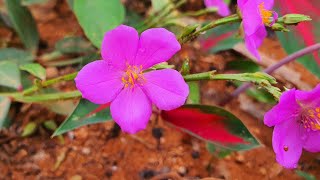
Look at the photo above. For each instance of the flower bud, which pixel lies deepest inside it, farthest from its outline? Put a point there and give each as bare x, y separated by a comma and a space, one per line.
279, 27
291, 19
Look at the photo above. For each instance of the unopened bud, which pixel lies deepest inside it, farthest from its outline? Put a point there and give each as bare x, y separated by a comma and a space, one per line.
291, 19
279, 27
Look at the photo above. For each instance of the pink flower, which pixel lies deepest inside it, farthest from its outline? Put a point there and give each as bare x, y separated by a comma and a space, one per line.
223, 9
297, 125
120, 78
255, 15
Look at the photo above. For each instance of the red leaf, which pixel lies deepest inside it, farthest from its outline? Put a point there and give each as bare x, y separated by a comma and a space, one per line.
306, 29
207, 126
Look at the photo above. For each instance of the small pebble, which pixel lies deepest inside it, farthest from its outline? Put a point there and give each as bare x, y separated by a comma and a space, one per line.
182, 170
147, 174
157, 133
195, 154
86, 151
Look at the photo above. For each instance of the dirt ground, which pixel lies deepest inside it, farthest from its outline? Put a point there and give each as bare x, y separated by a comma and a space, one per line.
101, 151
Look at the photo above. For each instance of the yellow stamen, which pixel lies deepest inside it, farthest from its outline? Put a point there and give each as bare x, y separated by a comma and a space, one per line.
265, 14
132, 75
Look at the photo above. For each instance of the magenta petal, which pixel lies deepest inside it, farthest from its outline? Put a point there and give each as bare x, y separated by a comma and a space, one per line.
223, 9
284, 110
251, 17
99, 82
287, 143
166, 88
155, 46
131, 110
254, 41
268, 4
120, 45
309, 97
312, 144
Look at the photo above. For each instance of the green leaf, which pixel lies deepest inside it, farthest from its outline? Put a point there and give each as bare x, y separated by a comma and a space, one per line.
96, 17
74, 45
291, 44
212, 124
225, 44
16, 55
218, 151
194, 95
32, 2
133, 19
35, 69
4, 109
50, 124
23, 24
29, 129
243, 66
305, 175
9, 75
158, 5
84, 114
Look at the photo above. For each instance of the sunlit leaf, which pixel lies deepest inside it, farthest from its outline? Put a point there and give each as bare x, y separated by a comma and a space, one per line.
16, 55
212, 124
9, 74
23, 24
74, 45
4, 109
35, 69
96, 17
84, 114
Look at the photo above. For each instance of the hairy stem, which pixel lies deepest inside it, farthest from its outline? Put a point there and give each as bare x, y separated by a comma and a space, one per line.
43, 84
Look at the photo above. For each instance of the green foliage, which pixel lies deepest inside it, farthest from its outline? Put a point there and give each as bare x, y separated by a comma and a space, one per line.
291, 44
77, 45
35, 69
9, 74
29, 129
225, 44
15, 55
305, 175
23, 24
194, 93
96, 17
32, 2
218, 151
4, 109
243, 66
84, 114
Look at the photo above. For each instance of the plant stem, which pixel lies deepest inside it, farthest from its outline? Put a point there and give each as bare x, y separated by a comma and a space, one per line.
48, 97
274, 67
193, 34
43, 84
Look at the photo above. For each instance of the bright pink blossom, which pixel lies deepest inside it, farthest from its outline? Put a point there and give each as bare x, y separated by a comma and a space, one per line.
223, 9
120, 78
296, 121
255, 15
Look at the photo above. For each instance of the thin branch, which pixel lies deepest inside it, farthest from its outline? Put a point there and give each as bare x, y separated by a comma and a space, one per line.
274, 67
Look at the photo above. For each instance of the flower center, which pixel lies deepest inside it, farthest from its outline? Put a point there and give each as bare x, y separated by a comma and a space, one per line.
132, 75
266, 15
311, 119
